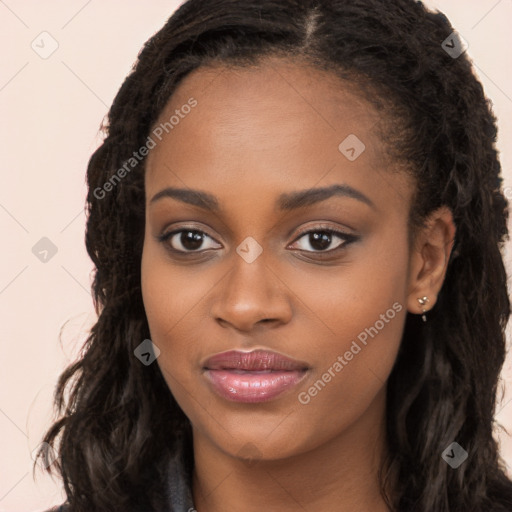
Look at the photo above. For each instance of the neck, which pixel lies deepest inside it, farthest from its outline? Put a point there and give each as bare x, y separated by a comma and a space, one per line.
340, 474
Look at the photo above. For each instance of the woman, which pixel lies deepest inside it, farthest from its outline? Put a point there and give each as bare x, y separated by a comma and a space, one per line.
296, 219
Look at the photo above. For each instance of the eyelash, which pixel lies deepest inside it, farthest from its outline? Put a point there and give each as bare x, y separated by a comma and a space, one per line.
347, 239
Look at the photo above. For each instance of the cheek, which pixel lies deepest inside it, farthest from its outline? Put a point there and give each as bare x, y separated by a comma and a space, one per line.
172, 293
168, 297
175, 302
345, 300
363, 314
349, 385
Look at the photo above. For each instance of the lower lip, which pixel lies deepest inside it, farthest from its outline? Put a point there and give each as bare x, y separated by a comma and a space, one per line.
252, 386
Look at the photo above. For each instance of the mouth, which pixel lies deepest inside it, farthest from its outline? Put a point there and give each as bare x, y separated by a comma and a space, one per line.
251, 377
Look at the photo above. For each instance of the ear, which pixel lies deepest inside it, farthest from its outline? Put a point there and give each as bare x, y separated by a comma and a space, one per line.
429, 259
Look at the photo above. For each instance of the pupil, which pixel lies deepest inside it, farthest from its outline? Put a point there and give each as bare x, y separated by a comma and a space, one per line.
191, 239
320, 240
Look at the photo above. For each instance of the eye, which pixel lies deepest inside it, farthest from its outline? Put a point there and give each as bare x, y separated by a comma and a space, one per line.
187, 240
322, 240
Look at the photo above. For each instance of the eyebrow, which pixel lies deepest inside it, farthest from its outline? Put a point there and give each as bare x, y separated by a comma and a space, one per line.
311, 196
189, 196
286, 201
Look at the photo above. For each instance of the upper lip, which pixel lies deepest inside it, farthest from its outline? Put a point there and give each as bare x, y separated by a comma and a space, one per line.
253, 361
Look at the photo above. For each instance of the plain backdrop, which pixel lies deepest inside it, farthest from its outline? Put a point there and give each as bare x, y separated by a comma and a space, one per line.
51, 107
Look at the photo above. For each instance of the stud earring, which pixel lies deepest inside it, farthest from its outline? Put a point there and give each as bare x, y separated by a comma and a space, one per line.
423, 301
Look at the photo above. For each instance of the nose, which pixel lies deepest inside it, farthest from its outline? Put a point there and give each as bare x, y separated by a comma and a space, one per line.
251, 294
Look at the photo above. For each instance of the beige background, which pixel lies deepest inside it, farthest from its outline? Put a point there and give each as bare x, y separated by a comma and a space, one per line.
51, 110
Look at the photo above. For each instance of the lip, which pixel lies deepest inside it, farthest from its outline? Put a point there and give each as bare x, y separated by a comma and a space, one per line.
251, 377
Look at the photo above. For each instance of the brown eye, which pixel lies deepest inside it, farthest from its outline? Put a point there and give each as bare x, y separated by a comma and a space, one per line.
324, 240
187, 240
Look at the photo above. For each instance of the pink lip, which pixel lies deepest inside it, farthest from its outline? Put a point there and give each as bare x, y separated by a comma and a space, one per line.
250, 377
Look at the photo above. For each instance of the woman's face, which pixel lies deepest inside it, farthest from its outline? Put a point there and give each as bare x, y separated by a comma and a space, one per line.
254, 170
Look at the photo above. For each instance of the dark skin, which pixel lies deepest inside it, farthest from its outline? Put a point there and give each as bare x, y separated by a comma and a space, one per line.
256, 134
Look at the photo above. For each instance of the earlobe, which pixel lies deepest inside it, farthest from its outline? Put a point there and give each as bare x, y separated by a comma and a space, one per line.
429, 261
423, 302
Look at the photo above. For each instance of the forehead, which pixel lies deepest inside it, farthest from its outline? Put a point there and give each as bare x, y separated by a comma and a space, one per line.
275, 125
271, 95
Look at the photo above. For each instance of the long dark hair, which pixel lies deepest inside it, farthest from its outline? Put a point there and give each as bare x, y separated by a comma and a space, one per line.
119, 423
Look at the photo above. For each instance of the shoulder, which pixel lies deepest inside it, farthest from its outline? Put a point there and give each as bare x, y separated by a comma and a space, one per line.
59, 508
